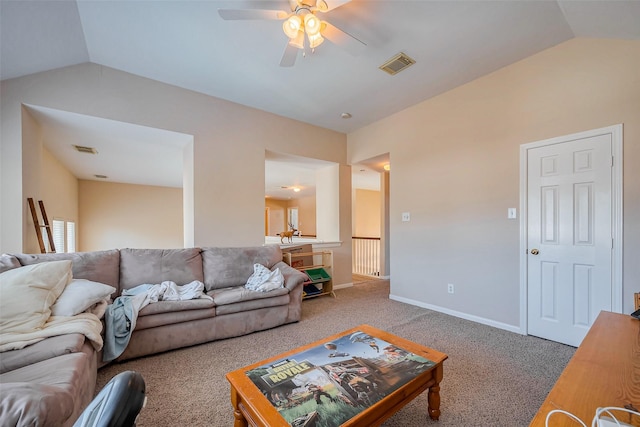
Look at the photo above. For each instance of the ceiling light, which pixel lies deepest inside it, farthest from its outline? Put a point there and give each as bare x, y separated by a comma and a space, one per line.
298, 40
345, 115
291, 26
296, 27
315, 40
296, 189
387, 167
311, 24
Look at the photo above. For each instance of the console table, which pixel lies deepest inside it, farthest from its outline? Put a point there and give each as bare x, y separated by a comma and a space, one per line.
604, 371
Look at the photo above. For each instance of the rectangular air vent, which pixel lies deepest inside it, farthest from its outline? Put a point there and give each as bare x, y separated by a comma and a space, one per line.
88, 150
397, 63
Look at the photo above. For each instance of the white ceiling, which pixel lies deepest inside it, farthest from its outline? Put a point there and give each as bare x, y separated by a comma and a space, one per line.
186, 43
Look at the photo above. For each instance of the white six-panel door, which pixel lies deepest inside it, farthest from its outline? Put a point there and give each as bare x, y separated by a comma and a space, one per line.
569, 237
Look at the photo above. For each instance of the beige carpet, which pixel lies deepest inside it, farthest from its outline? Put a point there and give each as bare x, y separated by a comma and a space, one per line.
492, 377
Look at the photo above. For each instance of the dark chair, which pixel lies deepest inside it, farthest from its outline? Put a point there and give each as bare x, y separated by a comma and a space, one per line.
118, 403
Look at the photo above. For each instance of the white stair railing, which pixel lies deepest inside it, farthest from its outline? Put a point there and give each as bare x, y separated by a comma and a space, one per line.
366, 256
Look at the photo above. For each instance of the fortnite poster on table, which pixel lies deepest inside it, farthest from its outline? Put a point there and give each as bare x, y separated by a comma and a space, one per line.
331, 383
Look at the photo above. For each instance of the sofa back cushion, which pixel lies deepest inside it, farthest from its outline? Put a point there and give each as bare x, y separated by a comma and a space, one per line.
98, 266
8, 262
226, 267
154, 266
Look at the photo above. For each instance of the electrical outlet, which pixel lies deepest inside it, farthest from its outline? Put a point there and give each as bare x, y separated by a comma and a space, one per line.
406, 216
450, 288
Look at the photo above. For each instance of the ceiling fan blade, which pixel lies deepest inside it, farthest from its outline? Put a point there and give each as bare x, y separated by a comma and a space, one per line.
327, 5
241, 14
349, 43
289, 56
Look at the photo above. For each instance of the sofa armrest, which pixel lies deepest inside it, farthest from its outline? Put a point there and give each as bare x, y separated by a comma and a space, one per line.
292, 277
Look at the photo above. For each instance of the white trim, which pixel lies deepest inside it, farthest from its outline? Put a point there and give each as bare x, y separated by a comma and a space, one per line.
466, 316
616, 132
343, 285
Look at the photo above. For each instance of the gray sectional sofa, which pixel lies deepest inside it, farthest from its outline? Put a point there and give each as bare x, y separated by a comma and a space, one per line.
52, 381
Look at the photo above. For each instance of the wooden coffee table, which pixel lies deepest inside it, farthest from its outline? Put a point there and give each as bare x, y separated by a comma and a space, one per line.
364, 375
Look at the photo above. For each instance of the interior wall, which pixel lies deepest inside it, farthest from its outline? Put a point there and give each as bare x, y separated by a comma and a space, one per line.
116, 216
366, 213
31, 174
277, 215
228, 155
306, 214
59, 190
463, 149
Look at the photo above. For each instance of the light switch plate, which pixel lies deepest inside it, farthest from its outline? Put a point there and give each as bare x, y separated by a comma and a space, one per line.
511, 213
406, 216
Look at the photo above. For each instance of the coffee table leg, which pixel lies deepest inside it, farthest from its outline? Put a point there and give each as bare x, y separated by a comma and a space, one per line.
434, 402
434, 395
240, 421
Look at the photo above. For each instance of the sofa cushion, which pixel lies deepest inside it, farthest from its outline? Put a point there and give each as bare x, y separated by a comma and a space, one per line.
8, 262
53, 390
240, 293
99, 266
28, 293
246, 306
42, 350
173, 317
33, 404
154, 266
173, 306
226, 267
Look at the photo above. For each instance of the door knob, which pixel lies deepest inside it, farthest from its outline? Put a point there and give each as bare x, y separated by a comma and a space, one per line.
534, 252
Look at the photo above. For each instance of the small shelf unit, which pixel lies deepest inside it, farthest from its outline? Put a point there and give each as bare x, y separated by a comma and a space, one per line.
318, 269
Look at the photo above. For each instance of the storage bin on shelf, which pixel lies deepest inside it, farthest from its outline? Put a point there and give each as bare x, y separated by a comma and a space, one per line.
317, 266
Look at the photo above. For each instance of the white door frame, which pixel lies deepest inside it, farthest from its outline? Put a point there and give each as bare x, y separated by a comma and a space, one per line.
616, 215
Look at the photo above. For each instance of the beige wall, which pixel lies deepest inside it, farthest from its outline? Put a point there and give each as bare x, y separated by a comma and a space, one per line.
277, 215
306, 214
119, 216
59, 190
455, 167
228, 155
366, 213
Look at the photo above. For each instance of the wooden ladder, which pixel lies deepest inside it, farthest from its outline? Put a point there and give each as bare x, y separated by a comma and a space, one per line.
38, 226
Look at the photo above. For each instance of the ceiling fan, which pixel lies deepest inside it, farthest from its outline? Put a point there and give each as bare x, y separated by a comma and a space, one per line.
302, 25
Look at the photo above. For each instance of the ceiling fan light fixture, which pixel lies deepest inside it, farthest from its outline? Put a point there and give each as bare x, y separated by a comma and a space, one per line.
315, 40
311, 24
292, 26
298, 40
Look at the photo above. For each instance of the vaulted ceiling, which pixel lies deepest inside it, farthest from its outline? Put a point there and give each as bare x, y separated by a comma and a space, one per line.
187, 44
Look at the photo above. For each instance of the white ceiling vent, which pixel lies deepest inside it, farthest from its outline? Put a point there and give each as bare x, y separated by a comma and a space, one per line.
397, 63
88, 150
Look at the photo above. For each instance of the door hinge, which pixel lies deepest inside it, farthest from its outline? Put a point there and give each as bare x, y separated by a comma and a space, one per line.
611, 161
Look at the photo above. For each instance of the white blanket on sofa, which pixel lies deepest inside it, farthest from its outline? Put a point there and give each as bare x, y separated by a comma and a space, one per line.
85, 323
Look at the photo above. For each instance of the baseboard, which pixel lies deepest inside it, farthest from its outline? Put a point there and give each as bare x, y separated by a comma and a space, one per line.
343, 285
459, 314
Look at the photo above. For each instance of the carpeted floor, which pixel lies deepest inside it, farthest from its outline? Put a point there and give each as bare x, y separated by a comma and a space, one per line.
492, 377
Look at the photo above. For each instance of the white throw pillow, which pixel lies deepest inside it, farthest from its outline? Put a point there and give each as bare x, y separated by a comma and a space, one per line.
79, 295
27, 293
264, 280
